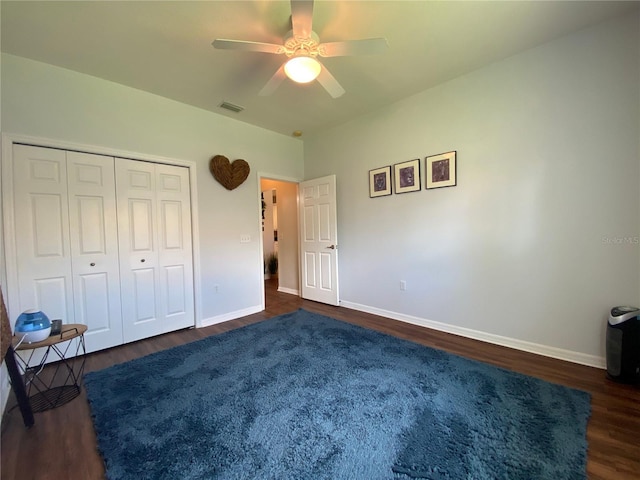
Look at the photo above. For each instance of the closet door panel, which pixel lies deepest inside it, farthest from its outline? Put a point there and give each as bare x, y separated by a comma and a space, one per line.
176, 303
144, 295
137, 225
140, 213
94, 292
91, 225
171, 225
175, 252
47, 227
94, 246
52, 296
42, 231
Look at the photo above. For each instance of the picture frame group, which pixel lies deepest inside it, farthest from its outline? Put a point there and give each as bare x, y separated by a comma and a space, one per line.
440, 171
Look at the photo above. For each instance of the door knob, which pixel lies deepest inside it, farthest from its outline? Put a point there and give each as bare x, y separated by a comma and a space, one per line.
142, 260
92, 264
332, 247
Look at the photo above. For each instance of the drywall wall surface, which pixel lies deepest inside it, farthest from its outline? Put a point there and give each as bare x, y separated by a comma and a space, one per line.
540, 237
45, 101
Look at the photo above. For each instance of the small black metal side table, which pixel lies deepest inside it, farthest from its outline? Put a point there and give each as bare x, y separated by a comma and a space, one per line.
49, 386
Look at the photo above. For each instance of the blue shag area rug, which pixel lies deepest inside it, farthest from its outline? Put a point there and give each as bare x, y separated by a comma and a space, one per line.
303, 396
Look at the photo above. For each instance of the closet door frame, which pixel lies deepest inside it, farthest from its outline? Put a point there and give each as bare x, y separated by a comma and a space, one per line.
9, 274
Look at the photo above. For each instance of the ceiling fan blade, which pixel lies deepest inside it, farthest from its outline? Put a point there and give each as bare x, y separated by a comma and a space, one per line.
274, 82
329, 83
301, 17
247, 46
368, 46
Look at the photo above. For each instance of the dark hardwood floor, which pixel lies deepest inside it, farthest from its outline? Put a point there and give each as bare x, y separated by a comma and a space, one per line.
62, 443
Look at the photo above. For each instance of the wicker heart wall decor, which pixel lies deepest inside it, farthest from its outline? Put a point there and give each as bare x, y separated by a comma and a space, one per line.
229, 175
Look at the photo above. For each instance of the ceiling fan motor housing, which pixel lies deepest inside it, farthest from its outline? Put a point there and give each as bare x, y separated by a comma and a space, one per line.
297, 46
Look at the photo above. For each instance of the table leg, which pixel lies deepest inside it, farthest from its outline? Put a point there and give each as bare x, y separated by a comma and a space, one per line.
18, 388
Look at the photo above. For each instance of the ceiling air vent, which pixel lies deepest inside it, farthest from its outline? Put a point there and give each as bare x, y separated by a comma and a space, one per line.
231, 106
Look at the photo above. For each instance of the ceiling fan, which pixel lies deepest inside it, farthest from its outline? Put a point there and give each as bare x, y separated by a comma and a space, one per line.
302, 47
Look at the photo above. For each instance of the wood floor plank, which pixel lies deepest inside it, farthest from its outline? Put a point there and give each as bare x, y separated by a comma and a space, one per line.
62, 443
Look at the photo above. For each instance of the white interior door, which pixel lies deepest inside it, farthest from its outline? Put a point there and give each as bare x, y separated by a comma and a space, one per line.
319, 240
94, 248
137, 227
156, 268
175, 257
42, 231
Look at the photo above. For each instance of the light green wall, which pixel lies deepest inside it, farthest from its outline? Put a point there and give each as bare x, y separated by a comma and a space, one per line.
540, 237
45, 101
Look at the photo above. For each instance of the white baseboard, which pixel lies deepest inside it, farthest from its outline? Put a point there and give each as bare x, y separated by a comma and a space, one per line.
547, 351
207, 322
289, 290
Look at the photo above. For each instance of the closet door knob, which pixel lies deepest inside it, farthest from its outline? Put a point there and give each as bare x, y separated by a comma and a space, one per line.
92, 264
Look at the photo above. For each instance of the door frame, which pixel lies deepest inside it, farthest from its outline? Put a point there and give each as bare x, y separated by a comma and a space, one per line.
277, 178
9, 270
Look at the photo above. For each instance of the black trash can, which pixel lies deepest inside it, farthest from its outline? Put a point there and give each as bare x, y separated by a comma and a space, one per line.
623, 345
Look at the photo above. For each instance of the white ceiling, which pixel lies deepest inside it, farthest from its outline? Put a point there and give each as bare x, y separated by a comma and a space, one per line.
165, 48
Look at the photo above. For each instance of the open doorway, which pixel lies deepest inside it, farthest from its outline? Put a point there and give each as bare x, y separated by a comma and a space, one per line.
280, 235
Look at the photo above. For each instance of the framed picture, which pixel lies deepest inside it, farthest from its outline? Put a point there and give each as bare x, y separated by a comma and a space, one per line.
440, 170
380, 182
407, 176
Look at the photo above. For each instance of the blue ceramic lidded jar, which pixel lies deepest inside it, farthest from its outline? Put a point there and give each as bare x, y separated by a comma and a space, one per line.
33, 325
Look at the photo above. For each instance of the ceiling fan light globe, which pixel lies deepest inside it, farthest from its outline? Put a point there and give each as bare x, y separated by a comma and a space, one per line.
302, 69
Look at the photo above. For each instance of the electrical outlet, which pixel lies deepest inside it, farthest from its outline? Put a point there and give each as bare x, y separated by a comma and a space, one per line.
403, 285
245, 238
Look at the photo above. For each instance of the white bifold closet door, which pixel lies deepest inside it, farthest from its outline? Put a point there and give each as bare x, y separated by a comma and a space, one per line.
156, 271
94, 248
66, 239
103, 241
